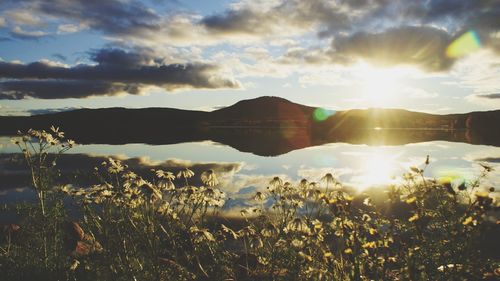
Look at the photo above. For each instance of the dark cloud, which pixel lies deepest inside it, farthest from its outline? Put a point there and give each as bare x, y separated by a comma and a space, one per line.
489, 96
61, 89
489, 159
245, 21
111, 16
421, 46
116, 71
376, 23
287, 16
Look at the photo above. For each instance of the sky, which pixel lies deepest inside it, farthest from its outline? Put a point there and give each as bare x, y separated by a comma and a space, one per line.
438, 56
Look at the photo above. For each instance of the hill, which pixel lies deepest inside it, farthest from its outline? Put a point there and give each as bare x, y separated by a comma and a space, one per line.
265, 126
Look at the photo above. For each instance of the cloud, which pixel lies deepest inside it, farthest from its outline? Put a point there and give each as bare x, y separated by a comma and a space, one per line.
70, 28
489, 159
421, 46
112, 16
417, 93
60, 89
490, 96
3, 23
279, 18
59, 56
116, 71
23, 17
479, 72
19, 33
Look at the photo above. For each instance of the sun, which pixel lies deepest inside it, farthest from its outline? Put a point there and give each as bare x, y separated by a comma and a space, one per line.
379, 87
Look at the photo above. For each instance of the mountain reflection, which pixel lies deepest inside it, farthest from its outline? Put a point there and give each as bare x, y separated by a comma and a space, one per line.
360, 167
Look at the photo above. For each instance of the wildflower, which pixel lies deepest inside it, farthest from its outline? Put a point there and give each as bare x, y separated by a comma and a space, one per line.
297, 203
411, 200
166, 185
200, 235
115, 166
297, 225
269, 230
468, 221
305, 256
259, 196
65, 189
185, 173
70, 143
209, 178
297, 243
106, 193
369, 245
244, 212
169, 176
74, 265
367, 201
413, 218
303, 184
348, 251
247, 231
328, 179
415, 170
276, 181
318, 225
262, 260
280, 243
231, 232
442, 268
348, 197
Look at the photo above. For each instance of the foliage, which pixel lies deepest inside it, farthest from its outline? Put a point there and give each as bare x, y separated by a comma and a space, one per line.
132, 228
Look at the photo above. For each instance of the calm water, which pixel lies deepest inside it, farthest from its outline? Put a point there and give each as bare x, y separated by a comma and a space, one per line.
242, 173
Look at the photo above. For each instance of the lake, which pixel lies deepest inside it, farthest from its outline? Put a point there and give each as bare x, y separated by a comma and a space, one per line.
241, 174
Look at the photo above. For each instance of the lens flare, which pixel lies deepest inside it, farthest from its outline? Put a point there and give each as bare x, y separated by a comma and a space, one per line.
464, 45
452, 176
321, 114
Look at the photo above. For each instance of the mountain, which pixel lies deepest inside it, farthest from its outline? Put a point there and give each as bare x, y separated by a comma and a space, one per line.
264, 126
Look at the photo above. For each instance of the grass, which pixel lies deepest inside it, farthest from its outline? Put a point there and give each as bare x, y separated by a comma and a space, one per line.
134, 228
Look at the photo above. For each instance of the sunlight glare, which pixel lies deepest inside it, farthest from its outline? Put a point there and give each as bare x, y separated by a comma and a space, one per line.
378, 168
379, 86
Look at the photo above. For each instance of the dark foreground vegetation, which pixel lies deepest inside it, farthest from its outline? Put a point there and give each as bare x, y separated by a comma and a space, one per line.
134, 228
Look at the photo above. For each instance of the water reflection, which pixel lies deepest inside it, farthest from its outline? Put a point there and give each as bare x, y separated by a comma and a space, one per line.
379, 166
242, 174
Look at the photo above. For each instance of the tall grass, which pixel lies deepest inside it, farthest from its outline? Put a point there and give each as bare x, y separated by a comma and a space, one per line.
133, 228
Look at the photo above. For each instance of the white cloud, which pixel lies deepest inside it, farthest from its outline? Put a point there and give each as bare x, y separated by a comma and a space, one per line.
417, 93
479, 71
70, 28
24, 17
26, 34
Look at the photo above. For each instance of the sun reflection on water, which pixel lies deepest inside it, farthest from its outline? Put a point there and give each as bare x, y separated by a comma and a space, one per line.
378, 168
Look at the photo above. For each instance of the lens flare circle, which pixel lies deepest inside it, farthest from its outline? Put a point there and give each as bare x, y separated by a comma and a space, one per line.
464, 45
